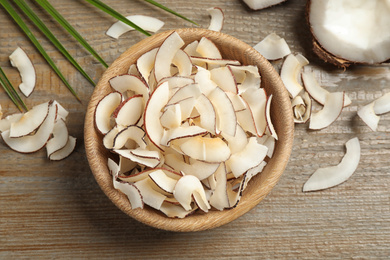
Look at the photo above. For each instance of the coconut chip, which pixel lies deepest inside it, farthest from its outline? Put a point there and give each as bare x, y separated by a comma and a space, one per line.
185, 144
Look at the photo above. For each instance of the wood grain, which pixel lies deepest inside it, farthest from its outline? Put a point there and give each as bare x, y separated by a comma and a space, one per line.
57, 210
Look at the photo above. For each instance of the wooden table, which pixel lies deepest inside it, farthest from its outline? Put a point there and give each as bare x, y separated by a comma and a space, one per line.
56, 209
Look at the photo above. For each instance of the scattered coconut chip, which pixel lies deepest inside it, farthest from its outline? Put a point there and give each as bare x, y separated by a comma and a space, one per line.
330, 112
325, 178
382, 104
367, 114
30, 121
42, 126
59, 139
315, 90
6, 122
22, 62
301, 105
290, 71
147, 23
64, 151
217, 18
262, 4
273, 47
33, 143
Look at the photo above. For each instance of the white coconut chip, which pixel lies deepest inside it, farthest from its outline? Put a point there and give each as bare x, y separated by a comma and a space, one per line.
382, 104
217, 18
328, 177
33, 143
64, 151
30, 121
273, 47
291, 70
316, 91
147, 23
262, 4
22, 62
367, 114
330, 112
185, 146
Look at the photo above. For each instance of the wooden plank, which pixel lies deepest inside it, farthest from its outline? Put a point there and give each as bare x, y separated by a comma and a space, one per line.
56, 209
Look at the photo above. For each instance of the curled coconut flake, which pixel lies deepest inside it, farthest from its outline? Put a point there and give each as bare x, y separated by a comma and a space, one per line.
147, 23
290, 71
217, 18
316, 91
329, 113
262, 4
301, 105
33, 143
64, 151
273, 47
22, 62
382, 104
324, 178
367, 114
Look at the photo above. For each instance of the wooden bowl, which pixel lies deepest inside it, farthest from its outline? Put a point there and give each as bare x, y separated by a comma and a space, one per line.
258, 187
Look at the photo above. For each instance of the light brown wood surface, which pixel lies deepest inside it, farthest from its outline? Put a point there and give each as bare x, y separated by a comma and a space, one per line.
57, 210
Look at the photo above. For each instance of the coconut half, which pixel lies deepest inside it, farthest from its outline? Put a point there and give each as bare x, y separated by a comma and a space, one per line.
350, 31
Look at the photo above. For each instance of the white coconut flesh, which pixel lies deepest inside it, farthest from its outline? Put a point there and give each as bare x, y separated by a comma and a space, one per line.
273, 47
217, 18
22, 62
147, 23
179, 126
262, 4
329, 113
42, 126
45, 127
357, 31
324, 178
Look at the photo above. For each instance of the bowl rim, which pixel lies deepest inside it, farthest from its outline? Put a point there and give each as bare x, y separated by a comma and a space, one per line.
96, 153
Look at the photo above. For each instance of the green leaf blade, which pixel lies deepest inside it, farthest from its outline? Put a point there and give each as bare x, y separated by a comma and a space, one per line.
170, 11
11, 92
46, 31
11, 11
102, 6
67, 26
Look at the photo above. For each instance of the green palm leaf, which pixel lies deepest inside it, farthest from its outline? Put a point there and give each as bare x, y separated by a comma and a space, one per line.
170, 11
11, 92
43, 28
11, 11
102, 6
65, 24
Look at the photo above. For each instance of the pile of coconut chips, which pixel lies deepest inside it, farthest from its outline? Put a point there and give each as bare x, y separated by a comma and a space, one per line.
190, 128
